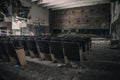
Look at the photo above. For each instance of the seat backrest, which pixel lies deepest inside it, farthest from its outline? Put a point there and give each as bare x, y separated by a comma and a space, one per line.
44, 46
57, 49
71, 50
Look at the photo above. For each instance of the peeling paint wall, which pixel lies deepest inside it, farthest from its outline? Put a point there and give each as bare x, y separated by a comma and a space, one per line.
115, 11
38, 18
37, 13
115, 19
40, 14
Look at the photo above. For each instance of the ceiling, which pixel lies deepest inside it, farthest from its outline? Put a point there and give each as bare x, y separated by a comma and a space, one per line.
63, 4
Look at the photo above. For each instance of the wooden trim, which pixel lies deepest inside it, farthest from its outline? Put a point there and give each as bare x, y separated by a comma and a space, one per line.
53, 57
42, 56
81, 57
21, 57
38, 49
31, 54
65, 57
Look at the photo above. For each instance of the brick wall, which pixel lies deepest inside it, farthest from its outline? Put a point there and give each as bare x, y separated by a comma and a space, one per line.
87, 17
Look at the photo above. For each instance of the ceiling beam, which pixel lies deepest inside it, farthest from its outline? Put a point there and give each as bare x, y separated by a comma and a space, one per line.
56, 2
77, 4
33, 0
46, 1
58, 8
70, 2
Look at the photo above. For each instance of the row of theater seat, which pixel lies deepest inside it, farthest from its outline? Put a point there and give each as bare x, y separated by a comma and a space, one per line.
66, 48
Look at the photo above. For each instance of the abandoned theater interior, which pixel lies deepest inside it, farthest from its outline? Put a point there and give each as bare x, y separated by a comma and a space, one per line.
59, 39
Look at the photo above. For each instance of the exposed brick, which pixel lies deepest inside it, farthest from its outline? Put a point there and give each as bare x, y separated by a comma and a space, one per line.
87, 17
